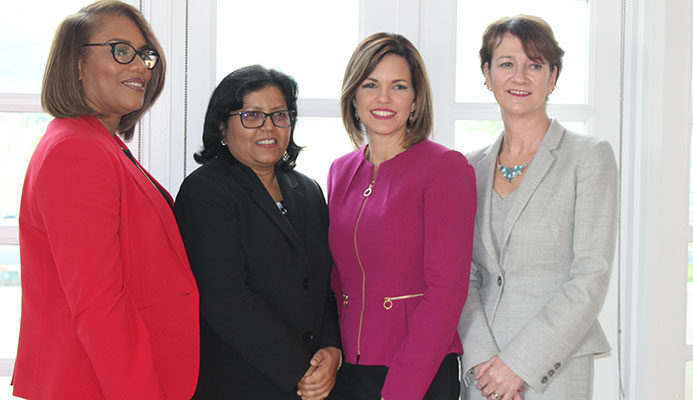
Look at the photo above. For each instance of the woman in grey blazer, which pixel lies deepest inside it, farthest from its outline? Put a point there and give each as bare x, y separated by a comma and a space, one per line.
544, 237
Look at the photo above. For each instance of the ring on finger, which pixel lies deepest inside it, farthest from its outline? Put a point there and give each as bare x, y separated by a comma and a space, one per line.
496, 395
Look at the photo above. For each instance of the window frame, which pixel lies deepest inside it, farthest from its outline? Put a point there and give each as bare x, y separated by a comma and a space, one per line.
655, 198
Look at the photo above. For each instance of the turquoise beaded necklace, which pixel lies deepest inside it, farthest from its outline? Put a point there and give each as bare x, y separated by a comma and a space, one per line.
510, 173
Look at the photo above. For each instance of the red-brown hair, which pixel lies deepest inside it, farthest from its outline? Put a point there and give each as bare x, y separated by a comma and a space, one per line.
533, 32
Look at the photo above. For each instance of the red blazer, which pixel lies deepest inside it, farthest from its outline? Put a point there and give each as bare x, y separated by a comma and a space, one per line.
109, 304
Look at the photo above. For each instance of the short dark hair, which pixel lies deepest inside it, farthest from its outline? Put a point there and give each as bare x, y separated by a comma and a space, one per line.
61, 94
228, 97
364, 60
533, 32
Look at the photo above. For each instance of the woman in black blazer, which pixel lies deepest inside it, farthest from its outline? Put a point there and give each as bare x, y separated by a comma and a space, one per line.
255, 232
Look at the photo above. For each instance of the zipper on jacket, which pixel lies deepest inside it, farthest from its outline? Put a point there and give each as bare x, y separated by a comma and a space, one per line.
388, 300
366, 193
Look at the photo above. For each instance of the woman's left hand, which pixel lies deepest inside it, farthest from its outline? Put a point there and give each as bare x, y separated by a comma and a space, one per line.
321, 376
494, 376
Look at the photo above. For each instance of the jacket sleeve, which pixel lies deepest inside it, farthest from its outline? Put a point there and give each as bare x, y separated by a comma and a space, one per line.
209, 221
449, 210
548, 340
330, 325
78, 192
478, 342
335, 281
330, 328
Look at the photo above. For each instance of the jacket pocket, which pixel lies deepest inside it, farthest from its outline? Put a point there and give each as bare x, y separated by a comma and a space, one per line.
389, 301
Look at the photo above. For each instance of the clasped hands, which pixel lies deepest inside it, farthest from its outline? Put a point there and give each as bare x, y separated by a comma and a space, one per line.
497, 381
320, 378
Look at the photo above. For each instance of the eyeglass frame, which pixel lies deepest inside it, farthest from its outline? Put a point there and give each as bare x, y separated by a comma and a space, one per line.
142, 53
292, 118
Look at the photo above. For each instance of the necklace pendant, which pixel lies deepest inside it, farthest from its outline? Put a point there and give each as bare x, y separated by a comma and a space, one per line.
510, 173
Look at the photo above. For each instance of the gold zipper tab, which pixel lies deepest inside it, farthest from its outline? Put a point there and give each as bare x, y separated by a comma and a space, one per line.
368, 191
388, 300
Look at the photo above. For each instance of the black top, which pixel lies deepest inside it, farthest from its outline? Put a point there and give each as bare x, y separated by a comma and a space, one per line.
161, 190
266, 305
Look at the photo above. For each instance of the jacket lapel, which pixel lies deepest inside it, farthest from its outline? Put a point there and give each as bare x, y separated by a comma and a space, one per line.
485, 170
539, 167
259, 195
163, 209
294, 202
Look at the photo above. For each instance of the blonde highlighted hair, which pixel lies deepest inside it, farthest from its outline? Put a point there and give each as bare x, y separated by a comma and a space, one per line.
364, 60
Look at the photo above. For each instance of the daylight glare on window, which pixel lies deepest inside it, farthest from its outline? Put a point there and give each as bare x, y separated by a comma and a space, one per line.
26, 34
309, 40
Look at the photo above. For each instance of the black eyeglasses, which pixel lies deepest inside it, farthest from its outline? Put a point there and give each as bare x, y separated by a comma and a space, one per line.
124, 53
256, 119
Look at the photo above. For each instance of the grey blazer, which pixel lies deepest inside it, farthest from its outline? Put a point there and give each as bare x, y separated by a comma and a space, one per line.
537, 305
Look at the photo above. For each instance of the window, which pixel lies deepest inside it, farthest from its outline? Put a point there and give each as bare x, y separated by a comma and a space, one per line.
447, 33
309, 40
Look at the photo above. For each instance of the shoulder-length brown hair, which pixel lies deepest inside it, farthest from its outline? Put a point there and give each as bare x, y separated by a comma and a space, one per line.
533, 32
61, 94
364, 60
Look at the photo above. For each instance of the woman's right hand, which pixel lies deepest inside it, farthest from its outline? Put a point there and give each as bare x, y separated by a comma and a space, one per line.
320, 378
496, 380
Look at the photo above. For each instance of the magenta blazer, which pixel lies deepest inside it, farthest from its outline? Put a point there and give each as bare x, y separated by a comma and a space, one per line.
402, 249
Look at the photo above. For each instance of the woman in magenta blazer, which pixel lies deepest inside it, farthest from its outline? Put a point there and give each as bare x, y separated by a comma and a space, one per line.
401, 221
109, 304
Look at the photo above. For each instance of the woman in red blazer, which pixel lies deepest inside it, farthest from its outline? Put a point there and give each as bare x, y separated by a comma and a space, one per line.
109, 304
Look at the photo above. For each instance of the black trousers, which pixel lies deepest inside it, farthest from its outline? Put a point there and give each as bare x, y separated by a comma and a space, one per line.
364, 382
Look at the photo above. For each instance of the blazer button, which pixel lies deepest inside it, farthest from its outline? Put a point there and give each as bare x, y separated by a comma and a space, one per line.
544, 379
307, 336
306, 284
500, 281
550, 373
557, 366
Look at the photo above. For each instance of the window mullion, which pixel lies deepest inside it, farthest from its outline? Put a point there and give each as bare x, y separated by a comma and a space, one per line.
318, 108
9, 235
20, 102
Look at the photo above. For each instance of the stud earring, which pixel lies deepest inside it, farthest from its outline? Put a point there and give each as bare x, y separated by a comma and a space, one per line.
223, 142
356, 115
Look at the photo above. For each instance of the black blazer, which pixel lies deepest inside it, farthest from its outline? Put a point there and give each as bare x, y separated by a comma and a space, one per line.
265, 302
